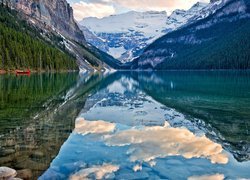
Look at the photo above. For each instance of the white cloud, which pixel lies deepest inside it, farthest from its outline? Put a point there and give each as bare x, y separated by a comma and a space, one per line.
158, 5
149, 143
208, 177
102, 8
99, 172
93, 127
84, 9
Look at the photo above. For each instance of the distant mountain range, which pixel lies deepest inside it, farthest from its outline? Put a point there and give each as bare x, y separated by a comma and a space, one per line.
219, 40
125, 36
207, 36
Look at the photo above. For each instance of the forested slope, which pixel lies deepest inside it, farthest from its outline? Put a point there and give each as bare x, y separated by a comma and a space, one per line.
24, 46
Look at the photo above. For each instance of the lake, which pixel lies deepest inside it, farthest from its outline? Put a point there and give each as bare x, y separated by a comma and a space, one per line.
127, 125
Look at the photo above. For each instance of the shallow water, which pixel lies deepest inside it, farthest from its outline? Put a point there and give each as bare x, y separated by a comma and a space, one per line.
128, 125
37, 115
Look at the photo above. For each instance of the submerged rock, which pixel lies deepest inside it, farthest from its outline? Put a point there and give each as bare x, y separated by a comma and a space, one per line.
5, 152
37, 154
7, 159
30, 164
24, 174
7, 173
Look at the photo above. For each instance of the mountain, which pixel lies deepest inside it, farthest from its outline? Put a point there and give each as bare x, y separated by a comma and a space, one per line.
181, 17
55, 14
54, 18
219, 40
124, 36
23, 46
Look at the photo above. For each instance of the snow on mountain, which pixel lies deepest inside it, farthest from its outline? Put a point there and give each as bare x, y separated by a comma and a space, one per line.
208, 10
216, 38
125, 36
181, 17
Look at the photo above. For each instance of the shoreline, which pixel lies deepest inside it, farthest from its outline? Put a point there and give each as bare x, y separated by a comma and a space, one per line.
36, 71
3, 71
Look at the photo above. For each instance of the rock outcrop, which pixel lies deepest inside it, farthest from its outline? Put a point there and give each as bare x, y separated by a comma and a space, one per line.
54, 14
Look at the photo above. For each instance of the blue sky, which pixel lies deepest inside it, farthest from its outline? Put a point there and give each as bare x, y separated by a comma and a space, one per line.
102, 8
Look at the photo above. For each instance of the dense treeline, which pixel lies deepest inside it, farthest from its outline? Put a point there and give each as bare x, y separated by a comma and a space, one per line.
228, 51
22, 46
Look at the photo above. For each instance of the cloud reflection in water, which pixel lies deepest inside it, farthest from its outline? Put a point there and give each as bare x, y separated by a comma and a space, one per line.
93, 127
148, 143
96, 172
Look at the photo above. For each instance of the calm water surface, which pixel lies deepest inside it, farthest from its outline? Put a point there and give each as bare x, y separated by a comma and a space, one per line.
127, 125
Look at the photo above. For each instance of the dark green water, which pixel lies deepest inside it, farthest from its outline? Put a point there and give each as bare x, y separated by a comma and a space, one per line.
21, 97
37, 115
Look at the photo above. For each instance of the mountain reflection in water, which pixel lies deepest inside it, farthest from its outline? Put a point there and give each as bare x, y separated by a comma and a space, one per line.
37, 115
170, 125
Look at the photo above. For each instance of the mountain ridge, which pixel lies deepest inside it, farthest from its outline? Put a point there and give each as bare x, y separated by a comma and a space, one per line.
205, 44
131, 32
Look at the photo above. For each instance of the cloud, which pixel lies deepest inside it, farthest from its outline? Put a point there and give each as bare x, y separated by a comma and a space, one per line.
97, 9
149, 143
208, 177
93, 127
102, 8
99, 172
157, 5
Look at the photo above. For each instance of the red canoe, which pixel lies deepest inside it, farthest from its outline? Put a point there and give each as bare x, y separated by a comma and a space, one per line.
27, 72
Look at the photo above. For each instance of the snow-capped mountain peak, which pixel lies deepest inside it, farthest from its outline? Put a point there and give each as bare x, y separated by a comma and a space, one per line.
121, 23
124, 36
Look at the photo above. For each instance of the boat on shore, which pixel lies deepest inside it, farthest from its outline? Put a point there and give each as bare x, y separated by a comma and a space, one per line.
21, 72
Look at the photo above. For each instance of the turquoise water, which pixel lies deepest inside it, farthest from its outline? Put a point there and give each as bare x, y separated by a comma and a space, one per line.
166, 125
127, 125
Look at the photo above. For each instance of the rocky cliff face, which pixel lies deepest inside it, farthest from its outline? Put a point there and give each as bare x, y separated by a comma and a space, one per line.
54, 14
